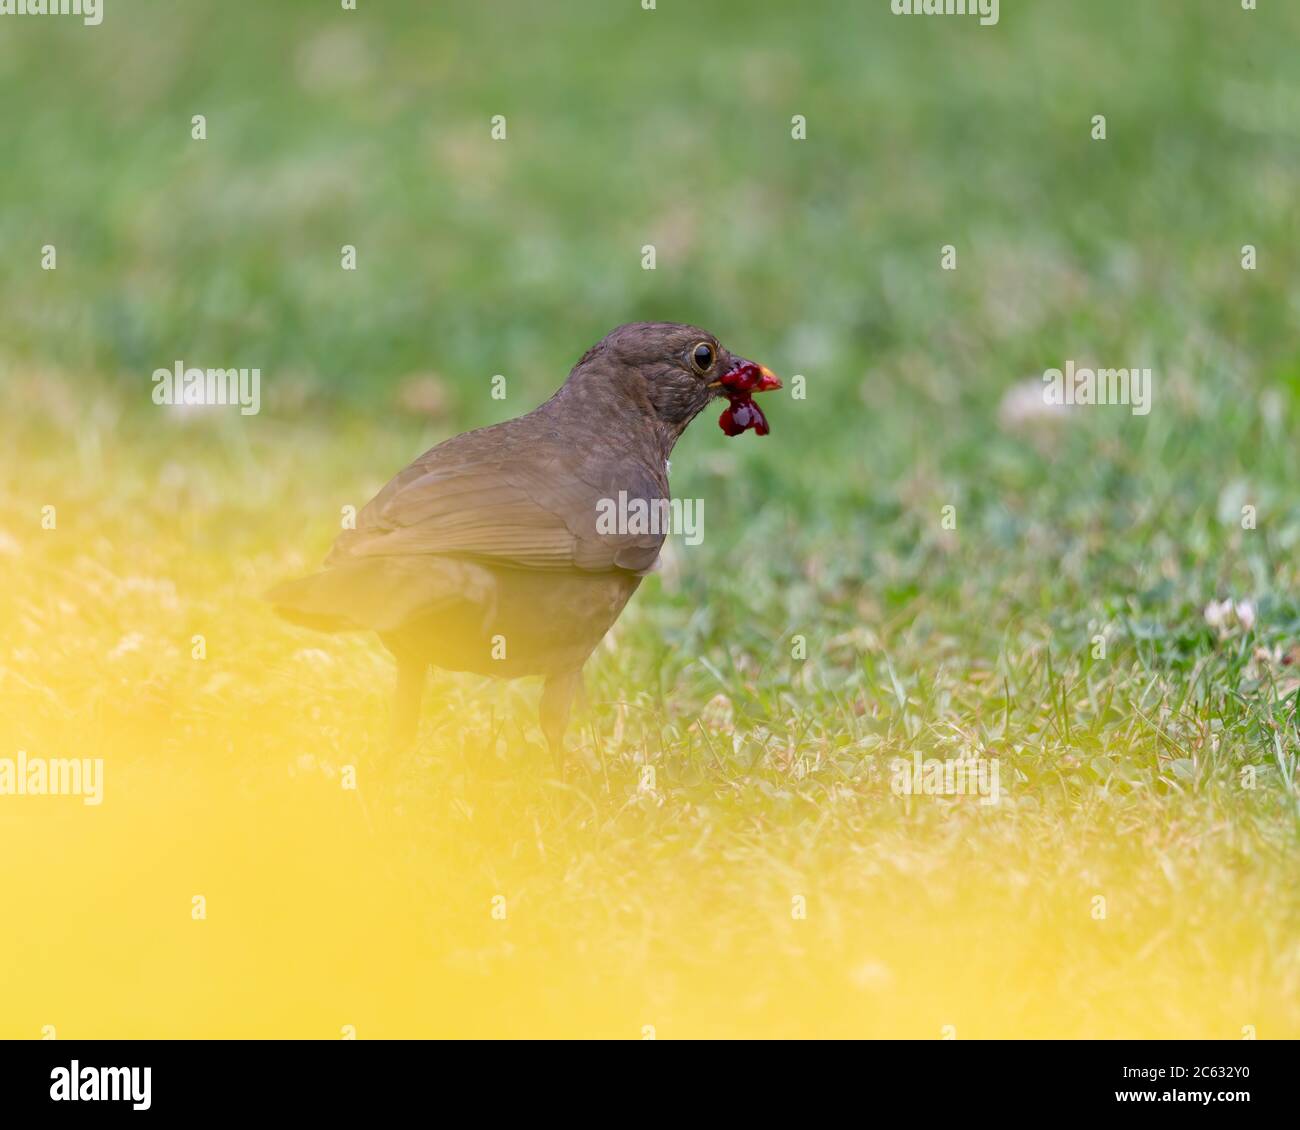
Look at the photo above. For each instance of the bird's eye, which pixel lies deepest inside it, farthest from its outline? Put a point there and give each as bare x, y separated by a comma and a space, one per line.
702, 356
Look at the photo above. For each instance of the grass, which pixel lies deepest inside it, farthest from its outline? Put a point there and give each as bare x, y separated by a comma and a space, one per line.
673, 906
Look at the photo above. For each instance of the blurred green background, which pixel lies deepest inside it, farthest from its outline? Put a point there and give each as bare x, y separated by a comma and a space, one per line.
669, 127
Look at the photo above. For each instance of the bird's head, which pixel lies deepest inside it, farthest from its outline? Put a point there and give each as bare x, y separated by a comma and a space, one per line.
675, 371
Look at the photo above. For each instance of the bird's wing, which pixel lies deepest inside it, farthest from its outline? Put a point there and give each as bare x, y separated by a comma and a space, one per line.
534, 509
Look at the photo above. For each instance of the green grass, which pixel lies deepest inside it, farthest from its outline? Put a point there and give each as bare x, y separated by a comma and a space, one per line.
1122, 773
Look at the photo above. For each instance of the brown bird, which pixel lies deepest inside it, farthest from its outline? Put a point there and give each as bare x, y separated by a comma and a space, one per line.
486, 554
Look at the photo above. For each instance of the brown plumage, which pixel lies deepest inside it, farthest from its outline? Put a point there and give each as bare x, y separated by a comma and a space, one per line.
489, 541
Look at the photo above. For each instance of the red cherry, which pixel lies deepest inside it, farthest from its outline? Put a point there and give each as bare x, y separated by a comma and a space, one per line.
749, 378
742, 414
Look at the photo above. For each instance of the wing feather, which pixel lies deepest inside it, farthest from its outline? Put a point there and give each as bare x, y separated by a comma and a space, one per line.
537, 510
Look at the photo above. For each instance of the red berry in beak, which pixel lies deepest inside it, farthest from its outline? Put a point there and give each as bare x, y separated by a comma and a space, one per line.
738, 386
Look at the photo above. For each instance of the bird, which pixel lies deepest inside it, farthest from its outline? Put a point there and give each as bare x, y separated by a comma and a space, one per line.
486, 553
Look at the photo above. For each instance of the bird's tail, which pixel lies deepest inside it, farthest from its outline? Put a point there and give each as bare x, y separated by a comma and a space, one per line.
377, 593
312, 602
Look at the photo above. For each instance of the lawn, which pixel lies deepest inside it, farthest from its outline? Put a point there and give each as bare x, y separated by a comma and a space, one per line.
918, 559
